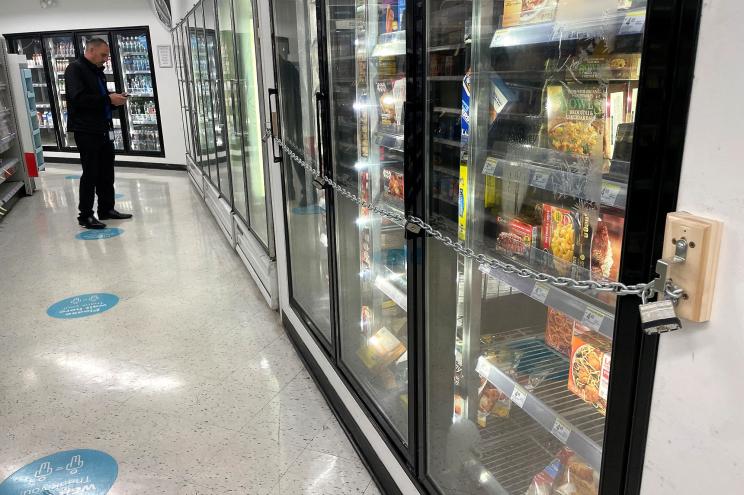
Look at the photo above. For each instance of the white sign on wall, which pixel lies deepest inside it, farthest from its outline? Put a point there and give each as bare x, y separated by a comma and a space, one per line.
164, 56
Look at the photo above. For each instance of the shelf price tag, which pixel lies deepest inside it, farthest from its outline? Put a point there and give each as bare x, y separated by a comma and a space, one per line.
560, 430
482, 368
540, 292
519, 395
633, 23
609, 193
540, 179
592, 318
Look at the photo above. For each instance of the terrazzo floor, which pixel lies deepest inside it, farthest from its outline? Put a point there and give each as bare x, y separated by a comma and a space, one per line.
189, 382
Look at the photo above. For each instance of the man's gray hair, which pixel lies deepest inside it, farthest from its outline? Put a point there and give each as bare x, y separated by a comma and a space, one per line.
94, 43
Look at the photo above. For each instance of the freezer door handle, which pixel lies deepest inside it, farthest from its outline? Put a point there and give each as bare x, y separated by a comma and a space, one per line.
273, 125
319, 184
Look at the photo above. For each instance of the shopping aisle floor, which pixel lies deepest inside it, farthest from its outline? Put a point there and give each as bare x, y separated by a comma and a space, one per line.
189, 382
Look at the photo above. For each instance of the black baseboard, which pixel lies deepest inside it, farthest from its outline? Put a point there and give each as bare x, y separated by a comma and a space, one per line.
119, 163
371, 460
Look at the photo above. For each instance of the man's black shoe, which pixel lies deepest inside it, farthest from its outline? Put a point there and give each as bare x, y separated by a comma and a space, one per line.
114, 215
91, 222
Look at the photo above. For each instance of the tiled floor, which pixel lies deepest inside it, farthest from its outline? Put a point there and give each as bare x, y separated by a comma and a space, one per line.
189, 382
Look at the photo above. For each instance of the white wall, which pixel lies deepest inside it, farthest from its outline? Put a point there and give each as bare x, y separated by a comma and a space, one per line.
18, 16
696, 436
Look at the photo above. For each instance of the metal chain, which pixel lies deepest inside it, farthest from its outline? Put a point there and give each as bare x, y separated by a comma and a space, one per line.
485, 262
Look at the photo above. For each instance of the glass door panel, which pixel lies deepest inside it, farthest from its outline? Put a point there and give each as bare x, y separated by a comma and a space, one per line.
307, 241
232, 111
108, 70
537, 103
203, 89
60, 51
366, 53
33, 50
252, 124
200, 153
178, 52
134, 67
223, 166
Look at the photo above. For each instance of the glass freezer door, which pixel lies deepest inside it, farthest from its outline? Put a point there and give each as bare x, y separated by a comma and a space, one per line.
222, 180
296, 52
108, 70
367, 81
33, 50
199, 53
136, 79
201, 144
539, 164
60, 51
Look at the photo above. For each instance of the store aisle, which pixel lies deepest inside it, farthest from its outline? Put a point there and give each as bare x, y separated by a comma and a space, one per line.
189, 382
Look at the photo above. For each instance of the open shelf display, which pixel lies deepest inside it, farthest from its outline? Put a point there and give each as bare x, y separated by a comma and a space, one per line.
13, 179
533, 147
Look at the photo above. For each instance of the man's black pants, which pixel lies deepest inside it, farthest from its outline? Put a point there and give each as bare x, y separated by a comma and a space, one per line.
97, 158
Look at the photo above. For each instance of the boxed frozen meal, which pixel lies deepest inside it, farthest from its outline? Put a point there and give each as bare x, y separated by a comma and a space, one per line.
518, 237
559, 331
624, 65
589, 371
566, 235
381, 349
576, 118
393, 183
492, 402
520, 12
607, 243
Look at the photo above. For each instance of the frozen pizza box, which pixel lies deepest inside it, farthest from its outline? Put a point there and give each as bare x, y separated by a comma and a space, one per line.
559, 331
589, 370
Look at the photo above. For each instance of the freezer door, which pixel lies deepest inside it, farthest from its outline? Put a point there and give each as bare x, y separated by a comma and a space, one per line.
531, 110
60, 51
296, 39
367, 83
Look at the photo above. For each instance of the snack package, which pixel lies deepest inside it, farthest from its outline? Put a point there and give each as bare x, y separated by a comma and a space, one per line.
607, 243
576, 113
559, 331
589, 371
518, 237
393, 183
566, 235
520, 12
577, 478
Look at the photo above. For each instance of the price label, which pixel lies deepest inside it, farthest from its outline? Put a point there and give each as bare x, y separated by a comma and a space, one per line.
489, 168
633, 23
540, 292
519, 395
482, 368
561, 430
499, 37
540, 179
610, 193
592, 318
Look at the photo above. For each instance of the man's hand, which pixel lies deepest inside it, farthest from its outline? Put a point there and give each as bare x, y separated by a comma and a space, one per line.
117, 99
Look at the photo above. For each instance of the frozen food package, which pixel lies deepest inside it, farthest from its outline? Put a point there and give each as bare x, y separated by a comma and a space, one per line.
589, 370
520, 12
381, 349
559, 331
576, 118
544, 481
399, 97
501, 96
607, 243
393, 183
566, 235
577, 478
492, 402
386, 101
624, 65
518, 237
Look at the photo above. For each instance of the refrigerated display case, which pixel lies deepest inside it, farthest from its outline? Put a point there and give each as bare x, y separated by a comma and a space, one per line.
137, 126
134, 62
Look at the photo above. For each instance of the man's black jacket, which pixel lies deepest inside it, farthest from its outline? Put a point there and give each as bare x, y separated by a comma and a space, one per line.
86, 105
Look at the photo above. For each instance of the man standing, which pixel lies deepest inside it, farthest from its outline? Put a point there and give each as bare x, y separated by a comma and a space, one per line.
89, 106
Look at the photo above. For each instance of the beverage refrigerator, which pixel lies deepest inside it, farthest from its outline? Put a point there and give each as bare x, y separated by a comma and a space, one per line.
137, 125
544, 134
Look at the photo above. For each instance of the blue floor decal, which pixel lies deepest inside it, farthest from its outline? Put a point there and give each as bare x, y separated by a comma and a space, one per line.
74, 471
73, 177
118, 196
82, 306
93, 235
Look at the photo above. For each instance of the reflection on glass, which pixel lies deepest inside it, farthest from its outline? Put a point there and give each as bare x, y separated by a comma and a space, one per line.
530, 120
136, 79
183, 86
203, 95
297, 67
32, 49
232, 112
252, 124
221, 158
367, 80
60, 51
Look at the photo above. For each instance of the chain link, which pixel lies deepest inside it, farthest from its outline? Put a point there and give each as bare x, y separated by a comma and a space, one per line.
485, 262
